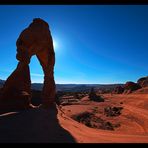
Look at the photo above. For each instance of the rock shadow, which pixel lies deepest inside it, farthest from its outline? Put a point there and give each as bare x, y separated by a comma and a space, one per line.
33, 126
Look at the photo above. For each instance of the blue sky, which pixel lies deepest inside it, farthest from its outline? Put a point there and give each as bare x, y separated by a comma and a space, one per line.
98, 44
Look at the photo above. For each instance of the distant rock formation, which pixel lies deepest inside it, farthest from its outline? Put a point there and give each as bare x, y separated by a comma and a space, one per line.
118, 90
143, 82
94, 97
34, 40
130, 87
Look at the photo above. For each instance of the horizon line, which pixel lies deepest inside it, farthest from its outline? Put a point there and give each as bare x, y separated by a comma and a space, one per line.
81, 83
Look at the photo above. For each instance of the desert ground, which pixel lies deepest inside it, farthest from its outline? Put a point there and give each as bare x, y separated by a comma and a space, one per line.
133, 120
59, 125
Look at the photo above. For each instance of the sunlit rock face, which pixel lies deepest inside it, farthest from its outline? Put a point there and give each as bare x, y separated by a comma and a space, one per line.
143, 82
36, 40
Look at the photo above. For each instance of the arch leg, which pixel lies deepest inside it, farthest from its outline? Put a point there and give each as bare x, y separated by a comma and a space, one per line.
47, 61
16, 92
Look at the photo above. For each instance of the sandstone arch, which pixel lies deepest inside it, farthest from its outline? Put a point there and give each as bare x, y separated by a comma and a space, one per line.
36, 40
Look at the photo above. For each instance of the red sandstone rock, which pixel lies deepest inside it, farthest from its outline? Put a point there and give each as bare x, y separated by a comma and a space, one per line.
16, 92
143, 82
130, 87
34, 40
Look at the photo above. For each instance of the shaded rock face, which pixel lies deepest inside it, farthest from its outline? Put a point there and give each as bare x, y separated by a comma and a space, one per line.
15, 93
118, 90
34, 40
143, 82
130, 87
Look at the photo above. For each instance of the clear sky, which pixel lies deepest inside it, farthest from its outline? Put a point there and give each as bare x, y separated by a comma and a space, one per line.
93, 43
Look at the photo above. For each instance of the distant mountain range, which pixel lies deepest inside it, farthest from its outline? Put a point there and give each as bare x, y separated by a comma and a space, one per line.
72, 87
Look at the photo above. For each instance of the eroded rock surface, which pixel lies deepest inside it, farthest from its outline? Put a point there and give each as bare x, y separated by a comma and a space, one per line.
36, 40
130, 87
143, 82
